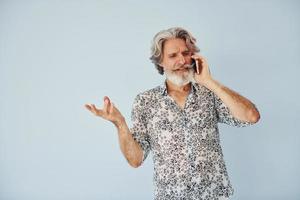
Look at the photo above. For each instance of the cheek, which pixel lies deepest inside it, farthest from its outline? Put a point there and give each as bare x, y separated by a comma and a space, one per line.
169, 65
189, 60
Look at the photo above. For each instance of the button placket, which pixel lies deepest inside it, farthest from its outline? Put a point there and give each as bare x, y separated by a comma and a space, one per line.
186, 131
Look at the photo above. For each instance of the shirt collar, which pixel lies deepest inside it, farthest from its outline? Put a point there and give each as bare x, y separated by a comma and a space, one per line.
163, 88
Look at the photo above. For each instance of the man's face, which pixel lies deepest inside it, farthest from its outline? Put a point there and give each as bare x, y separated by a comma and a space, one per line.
176, 57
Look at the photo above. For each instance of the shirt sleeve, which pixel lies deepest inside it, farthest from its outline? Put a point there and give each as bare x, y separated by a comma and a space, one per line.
139, 127
224, 115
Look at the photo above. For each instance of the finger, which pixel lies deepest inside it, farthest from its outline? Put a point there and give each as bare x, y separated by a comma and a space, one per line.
91, 108
106, 104
198, 57
200, 67
88, 107
97, 111
94, 109
106, 98
111, 108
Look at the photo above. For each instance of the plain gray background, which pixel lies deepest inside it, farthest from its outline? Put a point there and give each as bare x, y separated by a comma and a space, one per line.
55, 56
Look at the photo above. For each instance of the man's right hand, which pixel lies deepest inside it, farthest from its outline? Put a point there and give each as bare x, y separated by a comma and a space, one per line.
109, 112
132, 151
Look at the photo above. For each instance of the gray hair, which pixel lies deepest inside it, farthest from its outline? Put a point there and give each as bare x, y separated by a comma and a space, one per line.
171, 33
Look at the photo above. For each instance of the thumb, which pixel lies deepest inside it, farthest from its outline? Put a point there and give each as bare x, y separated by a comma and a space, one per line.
106, 100
111, 108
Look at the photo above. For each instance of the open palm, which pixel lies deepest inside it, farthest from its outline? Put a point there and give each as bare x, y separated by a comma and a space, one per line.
109, 111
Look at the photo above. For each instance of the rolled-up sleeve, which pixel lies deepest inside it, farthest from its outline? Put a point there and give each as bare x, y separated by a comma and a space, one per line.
139, 125
224, 115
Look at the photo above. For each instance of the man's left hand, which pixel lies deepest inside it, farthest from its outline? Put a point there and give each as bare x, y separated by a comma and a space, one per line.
203, 76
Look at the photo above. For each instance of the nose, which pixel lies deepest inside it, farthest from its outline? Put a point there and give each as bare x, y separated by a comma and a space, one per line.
181, 59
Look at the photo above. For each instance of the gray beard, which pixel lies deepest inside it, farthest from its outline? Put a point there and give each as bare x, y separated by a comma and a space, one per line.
180, 80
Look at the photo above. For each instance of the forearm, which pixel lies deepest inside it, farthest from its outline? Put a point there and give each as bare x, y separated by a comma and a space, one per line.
129, 147
239, 106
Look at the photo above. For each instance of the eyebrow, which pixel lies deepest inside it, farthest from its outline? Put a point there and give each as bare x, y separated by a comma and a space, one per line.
187, 50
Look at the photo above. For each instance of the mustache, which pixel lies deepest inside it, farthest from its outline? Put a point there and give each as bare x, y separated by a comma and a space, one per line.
186, 66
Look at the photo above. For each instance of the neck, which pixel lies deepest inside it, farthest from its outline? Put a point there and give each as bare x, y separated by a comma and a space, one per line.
171, 87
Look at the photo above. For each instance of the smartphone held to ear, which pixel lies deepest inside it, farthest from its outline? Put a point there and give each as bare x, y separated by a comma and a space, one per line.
194, 66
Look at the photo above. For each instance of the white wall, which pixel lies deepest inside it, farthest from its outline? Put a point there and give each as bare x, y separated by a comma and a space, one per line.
55, 56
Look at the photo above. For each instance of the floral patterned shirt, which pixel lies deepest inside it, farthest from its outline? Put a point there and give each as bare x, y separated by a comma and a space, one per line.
185, 143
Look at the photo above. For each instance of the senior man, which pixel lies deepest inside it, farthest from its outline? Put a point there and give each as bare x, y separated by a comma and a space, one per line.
178, 121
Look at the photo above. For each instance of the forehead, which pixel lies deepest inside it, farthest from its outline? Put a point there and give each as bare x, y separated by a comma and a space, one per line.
175, 45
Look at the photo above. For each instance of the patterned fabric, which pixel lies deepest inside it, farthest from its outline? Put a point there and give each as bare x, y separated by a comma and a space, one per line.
185, 143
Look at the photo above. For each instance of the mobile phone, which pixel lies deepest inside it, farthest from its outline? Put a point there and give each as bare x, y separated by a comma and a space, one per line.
194, 65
